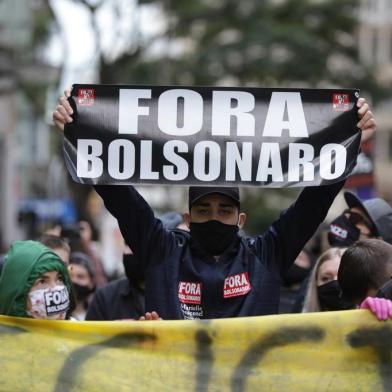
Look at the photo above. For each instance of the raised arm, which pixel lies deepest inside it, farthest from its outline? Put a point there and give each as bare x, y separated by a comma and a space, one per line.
142, 232
140, 229
288, 235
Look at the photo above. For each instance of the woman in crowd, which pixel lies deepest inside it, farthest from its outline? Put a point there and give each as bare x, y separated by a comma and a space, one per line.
323, 292
364, 268
34, 283
83, 282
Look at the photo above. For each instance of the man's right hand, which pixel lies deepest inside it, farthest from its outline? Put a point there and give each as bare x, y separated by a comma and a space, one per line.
63, 111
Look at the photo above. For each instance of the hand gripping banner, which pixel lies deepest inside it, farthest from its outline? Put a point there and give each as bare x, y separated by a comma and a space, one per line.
327, 351
204, 136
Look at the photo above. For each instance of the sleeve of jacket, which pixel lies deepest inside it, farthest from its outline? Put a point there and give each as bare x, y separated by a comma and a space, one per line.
142, 232
287, 236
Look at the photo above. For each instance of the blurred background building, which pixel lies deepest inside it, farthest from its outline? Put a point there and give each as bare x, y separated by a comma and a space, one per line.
375, 50
45, 45
32, 189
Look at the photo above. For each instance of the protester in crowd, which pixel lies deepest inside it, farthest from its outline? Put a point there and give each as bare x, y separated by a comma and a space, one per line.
212, 272
365, 272
323, 291
125, 297
58, 245
90, 248
293, 283
34, 283
80, 238
83, 282
368, 219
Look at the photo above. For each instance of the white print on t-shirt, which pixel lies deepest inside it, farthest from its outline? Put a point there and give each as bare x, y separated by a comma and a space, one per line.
191, 312
236, 285
189, 292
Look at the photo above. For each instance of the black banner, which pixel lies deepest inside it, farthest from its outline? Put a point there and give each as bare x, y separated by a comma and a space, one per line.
204, 136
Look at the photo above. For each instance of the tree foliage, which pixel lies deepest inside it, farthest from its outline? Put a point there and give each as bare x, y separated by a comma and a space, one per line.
268, 43
301, 43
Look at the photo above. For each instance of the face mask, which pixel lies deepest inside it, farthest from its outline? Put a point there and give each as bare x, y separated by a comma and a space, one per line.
51, 303
134, 270
342, 232
213, 236
295, 274
330, 297
82, 292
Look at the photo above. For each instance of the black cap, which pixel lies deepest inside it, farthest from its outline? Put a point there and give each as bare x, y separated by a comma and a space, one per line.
197, 192
379, 211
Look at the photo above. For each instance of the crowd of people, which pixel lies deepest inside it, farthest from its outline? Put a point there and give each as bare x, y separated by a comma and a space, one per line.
198, 266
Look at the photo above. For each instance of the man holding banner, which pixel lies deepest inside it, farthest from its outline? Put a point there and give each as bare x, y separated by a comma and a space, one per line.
214, 140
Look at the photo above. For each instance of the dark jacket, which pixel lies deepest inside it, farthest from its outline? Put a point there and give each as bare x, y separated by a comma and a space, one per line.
183, 282
117, 300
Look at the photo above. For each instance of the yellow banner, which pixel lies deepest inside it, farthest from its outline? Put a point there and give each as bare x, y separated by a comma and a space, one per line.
335, 351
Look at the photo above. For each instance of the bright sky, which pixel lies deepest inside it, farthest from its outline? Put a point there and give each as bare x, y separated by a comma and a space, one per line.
76, 48
78, 53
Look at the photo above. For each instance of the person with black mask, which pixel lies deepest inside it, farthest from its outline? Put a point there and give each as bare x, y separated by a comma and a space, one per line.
357, 277
323, 291
122, 299
212, 271
83, 284
294, 283
368, 219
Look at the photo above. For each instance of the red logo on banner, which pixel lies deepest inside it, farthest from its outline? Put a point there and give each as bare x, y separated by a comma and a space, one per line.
236, 285
341, 102
86, 96
189, 293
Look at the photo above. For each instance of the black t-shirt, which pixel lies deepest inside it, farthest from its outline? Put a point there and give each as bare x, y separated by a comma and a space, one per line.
117, 300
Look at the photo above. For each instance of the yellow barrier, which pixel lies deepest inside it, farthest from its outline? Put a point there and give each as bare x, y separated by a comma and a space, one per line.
336, 351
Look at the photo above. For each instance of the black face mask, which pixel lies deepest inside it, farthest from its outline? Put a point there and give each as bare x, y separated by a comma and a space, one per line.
82, 292
330, 297
134, 270
294, 275
342, 232
214, 236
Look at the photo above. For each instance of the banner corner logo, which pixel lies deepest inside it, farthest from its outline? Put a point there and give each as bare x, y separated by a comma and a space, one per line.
341, 102
86, 96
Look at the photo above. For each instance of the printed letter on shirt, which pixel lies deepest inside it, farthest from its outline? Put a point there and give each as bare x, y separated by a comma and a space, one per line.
236, 285
189, 292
